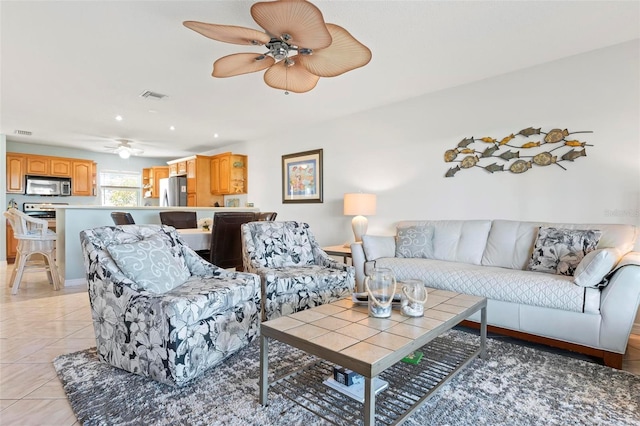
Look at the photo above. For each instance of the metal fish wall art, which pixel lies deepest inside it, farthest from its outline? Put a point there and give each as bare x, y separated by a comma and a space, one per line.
537, 148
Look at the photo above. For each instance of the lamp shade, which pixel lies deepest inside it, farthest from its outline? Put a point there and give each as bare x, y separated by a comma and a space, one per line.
358, 204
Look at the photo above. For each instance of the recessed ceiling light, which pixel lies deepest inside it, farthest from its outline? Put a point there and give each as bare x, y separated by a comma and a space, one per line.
118, 118
172, 127
215, 135
153, 111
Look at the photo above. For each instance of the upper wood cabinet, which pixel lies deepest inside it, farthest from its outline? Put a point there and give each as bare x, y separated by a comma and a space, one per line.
60, 167
229, 174
16, 167
38, 165
82, 179
82, 172
48, 166
198, 174
151, 180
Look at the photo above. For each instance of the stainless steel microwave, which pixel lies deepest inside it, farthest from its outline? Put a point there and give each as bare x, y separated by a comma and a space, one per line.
41, 185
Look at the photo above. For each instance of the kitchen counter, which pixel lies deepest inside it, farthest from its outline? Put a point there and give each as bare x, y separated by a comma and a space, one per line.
72, 219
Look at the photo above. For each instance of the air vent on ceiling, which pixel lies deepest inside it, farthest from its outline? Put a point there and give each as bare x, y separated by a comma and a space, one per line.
152, 95
22, 132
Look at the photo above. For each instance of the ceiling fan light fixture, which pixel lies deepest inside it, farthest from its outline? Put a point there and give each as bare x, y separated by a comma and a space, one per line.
324, 50
124, 153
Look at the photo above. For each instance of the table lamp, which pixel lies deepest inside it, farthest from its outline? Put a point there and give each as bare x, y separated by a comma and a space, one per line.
359, 205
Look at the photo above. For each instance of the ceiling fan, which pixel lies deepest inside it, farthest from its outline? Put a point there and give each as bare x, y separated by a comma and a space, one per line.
124, 149
291, 26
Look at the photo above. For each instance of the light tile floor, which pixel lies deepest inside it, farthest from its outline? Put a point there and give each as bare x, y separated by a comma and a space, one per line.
38, 324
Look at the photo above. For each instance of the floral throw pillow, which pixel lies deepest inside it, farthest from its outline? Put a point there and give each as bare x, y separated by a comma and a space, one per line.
149, 264
415, 241
559, 251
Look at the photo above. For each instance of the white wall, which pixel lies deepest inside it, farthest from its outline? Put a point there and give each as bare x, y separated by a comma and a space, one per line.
397, 151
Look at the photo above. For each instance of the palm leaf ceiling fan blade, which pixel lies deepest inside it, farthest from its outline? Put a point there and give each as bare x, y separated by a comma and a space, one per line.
229, 33
323, 50
294, 78
296, 22
345, 54
241, 63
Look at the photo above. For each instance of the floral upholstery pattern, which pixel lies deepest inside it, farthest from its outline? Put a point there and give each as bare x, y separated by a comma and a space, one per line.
296, 273
175, 336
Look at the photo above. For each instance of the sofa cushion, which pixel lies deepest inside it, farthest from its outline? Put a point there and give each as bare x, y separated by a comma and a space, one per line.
526, 287
414, 241
560, 250
456, 240
510, 242
595, 266
150, 264
376, 246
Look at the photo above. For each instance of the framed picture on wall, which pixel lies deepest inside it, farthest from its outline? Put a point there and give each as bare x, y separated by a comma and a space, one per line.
302, 177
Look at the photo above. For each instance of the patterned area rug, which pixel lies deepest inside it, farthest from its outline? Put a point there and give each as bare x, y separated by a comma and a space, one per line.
516, 385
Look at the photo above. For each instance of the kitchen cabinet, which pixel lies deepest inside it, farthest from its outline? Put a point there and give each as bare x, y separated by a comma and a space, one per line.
12, 245
228, 174
82, 178
48, 166
197, 169
60, 167
16, 167
82, 172
151, 180
37, 165
173, 169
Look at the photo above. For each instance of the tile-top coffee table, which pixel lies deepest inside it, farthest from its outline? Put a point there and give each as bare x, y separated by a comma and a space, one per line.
342, 333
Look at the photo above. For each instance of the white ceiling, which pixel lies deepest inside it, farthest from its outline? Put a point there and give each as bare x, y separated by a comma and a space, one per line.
69, 67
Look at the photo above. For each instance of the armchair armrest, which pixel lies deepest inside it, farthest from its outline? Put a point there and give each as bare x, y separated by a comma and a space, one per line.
323, 259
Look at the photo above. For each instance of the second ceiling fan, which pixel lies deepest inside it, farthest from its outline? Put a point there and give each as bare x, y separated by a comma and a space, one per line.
301, 47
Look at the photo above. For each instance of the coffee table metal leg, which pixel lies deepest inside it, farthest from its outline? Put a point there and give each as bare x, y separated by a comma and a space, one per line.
264, 369
483, 333
369, 402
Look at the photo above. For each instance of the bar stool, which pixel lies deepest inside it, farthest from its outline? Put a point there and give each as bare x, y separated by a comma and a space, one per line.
34, 237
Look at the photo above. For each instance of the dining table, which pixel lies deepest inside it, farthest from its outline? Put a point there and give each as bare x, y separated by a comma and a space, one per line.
196, 238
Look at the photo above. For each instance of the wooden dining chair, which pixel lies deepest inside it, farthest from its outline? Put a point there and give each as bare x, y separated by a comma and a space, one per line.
226, 242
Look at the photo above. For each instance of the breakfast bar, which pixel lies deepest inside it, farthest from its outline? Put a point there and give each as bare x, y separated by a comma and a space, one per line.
70, 220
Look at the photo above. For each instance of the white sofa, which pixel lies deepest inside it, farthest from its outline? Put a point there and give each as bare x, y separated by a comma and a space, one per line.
491, 259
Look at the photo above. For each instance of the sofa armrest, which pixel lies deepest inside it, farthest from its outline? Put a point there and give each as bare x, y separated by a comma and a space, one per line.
358, 259
619, 303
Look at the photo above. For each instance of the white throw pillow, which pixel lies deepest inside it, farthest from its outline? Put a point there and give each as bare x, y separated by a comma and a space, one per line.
595, 266
376, 247
149, 264
415, 242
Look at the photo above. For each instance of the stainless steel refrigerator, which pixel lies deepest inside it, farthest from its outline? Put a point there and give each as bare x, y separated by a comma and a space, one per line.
173, 191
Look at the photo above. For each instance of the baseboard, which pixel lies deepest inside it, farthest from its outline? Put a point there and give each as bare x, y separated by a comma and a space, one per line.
75, 282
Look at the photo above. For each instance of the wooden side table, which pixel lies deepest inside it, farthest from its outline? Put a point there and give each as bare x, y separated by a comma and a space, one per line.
344, 252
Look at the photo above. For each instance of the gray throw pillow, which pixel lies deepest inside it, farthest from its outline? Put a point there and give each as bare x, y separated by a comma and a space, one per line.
559, 251
415, 241
149, 264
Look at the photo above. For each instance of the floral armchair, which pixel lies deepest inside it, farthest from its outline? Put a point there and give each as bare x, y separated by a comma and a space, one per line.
159, 310
296, 273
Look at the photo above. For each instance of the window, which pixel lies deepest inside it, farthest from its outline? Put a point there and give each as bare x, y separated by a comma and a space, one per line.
120, 189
